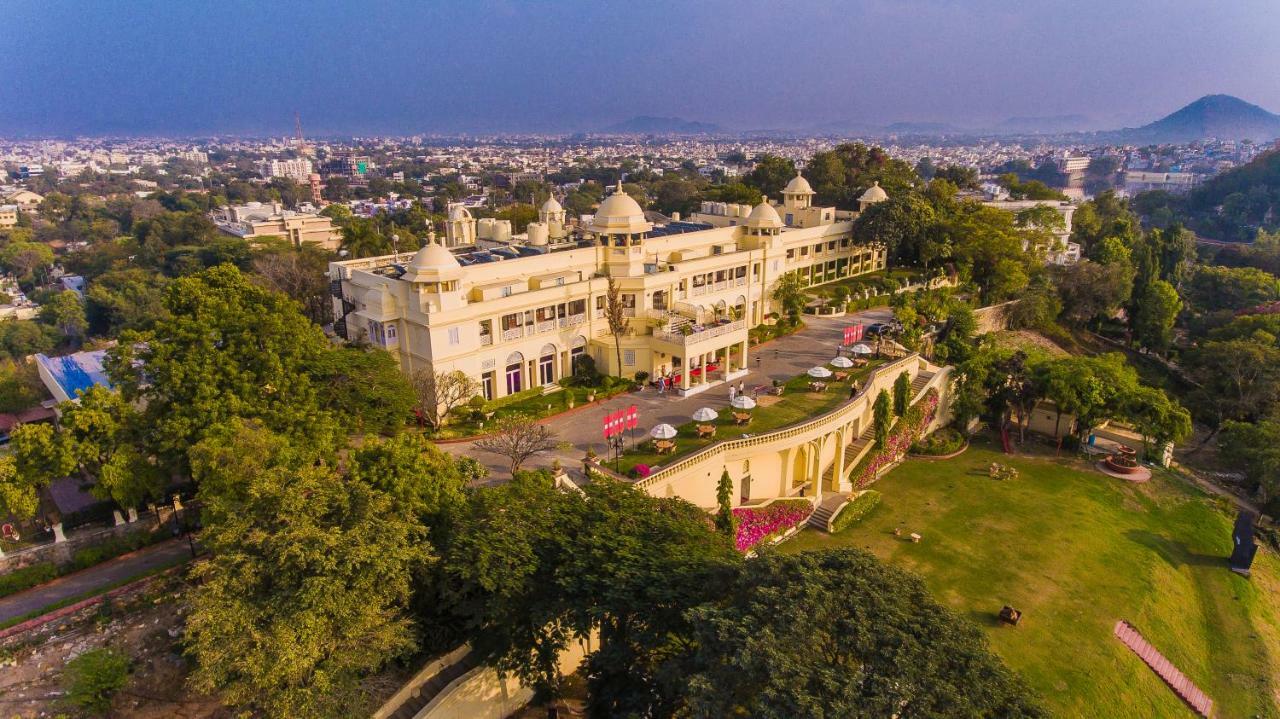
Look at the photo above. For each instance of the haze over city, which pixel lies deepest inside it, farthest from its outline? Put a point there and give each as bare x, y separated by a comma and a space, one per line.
471, 359
245, 67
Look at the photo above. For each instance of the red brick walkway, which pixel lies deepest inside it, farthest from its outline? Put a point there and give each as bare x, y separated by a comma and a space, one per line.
1176, 680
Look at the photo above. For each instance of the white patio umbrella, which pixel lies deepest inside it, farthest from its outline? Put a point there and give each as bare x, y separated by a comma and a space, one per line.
704, 414
819, 372
743, 402
842, 362
862, 349
663, 431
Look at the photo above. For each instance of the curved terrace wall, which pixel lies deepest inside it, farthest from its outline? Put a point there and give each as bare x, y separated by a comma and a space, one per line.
777, 462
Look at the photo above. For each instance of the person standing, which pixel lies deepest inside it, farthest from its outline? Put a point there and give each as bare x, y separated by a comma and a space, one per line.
732, 393
742, 387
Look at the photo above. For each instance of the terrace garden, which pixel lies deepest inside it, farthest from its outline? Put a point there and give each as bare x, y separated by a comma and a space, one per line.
795, 404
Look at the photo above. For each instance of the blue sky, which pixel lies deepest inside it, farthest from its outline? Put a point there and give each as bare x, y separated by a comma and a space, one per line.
233, 66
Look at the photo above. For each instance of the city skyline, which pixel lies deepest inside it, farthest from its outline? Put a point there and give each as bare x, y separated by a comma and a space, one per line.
177, 69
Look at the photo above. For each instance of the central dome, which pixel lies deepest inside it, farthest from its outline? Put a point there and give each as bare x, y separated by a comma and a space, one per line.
799, 186
431, 263
763, 216
875, 193
619, 214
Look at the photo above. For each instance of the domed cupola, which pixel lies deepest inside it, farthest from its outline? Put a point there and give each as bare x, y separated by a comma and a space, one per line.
797, 194
620, 218
874, 194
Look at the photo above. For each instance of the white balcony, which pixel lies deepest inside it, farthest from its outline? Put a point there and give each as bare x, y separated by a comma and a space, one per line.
701, 334
572, 320
546, 326
486, 340
514, 333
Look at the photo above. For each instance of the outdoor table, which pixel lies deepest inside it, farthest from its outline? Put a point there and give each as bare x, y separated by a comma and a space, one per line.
817, 386
741, 417
664, 446
841, 376
706, 430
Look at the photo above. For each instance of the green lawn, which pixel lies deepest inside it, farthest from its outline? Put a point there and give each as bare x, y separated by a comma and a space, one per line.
797, 403
1076, 550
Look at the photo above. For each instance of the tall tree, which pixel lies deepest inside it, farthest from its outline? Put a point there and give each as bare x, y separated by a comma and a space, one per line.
229, 348
615, 315
1154, 314
901, 394
725, 521
307, 580
839, 634
883, 417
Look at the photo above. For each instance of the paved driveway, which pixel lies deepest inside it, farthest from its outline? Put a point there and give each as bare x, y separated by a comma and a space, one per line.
780, 359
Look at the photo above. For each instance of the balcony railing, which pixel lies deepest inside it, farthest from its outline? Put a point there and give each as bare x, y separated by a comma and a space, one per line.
486, 339
572, 320
514, 333
701, 335
546, 326
698, 290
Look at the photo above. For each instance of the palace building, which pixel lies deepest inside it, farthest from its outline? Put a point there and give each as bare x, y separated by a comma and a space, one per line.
514, 311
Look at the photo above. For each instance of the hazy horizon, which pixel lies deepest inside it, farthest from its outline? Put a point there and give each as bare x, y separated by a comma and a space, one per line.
235, 67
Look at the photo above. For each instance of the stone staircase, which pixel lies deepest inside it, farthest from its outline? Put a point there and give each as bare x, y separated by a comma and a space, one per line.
423, 695
826, 509
917, 385
851, 453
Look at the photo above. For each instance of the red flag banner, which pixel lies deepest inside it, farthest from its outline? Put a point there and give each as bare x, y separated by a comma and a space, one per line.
633, 417
853, 333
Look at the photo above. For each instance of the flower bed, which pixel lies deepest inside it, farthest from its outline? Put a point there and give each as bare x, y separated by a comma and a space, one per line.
905, 433
756, 525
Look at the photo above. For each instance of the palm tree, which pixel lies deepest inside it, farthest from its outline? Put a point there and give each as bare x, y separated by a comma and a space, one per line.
361, 239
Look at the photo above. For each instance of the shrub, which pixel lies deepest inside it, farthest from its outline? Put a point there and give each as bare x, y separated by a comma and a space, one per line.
26, 578
476, 402
943, 442
585, 373
642, 376
94, 677
640, 471
853, 513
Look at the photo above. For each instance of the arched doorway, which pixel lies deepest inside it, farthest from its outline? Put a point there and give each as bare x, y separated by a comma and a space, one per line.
547, 365
515, 363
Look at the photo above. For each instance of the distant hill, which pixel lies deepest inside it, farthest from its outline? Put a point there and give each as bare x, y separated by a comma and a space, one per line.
650, 125
922, 128
1213, 116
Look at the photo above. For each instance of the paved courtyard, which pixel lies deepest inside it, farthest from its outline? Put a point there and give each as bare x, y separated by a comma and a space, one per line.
780, 359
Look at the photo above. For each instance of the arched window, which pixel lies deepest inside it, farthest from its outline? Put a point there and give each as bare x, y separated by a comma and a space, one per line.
515, 372
547, 365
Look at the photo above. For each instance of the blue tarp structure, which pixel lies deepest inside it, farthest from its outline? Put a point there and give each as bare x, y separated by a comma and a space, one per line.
71, 374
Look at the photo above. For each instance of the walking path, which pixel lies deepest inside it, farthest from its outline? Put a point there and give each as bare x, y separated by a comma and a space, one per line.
1177, 681
780, 359
96, 577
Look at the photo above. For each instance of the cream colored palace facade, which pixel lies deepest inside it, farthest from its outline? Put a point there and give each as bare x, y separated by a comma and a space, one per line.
513, 312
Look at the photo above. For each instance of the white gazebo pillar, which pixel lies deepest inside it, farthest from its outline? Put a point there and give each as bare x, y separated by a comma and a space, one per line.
118, 517
58, 536
132, 513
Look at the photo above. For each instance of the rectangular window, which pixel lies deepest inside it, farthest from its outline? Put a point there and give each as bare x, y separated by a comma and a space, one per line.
455, 336
506, 291
486, 385
628, 357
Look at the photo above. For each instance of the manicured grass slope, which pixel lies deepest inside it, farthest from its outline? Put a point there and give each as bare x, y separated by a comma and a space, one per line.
1076, 550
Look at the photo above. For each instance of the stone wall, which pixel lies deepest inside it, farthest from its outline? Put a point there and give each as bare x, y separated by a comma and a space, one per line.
61, 552
993, 318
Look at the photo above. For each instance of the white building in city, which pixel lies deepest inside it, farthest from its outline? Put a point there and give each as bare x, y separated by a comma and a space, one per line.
256, 220
296, 169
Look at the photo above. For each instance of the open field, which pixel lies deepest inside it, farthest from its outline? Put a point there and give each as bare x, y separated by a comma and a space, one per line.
1076, 550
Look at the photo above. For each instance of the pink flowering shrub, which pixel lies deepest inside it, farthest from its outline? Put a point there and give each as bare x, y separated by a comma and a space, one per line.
905, 433
640, 471
755, 525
